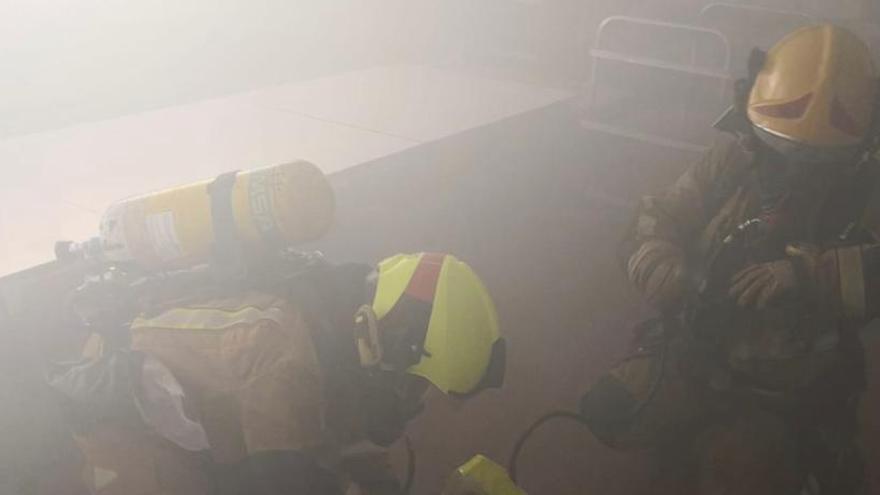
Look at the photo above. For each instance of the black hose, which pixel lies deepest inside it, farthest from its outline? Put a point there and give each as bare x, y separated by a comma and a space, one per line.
577, 418
521, 441
655, 386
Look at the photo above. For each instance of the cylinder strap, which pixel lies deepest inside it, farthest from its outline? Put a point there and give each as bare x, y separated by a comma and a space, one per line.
227, 249
260, 186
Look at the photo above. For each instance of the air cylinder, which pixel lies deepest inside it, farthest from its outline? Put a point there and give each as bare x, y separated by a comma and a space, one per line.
250, 211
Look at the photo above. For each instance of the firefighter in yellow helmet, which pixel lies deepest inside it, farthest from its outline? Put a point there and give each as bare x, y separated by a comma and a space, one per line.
764, 260
294, 384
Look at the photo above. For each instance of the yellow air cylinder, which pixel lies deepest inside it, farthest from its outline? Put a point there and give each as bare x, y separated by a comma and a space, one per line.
262, 209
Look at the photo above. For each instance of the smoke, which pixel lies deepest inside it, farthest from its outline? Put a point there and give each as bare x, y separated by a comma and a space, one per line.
515, 133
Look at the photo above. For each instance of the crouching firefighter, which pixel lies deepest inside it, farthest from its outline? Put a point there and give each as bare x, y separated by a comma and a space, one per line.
287, 383
764, 260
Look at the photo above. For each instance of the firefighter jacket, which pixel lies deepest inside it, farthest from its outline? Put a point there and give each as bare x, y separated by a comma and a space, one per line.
688, 241
263, 371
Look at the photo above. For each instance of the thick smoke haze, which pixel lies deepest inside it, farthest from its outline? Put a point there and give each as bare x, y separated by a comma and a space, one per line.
69, 66
517, 134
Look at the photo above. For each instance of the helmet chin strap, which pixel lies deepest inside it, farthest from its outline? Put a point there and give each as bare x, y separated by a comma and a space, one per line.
366, 335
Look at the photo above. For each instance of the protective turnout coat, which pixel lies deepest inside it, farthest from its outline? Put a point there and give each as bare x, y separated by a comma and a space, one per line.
706, 214
748, 399
262, 372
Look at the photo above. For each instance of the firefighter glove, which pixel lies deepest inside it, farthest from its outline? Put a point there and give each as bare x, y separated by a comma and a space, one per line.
762, 284
657, 269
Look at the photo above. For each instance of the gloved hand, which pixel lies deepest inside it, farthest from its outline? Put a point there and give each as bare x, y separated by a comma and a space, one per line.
658, 270
807, 272
106, 305
762, 284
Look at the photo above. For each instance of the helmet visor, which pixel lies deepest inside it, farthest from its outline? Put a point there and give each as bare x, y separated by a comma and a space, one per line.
796, 152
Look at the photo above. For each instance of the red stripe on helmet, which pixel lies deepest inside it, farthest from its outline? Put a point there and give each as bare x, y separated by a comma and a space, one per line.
423, 283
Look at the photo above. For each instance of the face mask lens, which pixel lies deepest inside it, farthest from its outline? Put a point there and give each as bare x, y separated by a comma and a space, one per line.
797, 153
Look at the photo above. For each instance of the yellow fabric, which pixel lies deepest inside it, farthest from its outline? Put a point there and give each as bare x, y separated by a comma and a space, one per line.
217, 313
208, 318
481, 476
828, 63
255, 386
93, 346
462, 329
249, 365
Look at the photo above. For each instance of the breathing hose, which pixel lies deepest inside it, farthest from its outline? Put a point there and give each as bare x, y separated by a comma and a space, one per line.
580, 419
521, 441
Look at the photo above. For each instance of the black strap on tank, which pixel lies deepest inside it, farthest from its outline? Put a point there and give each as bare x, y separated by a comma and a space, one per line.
227, 248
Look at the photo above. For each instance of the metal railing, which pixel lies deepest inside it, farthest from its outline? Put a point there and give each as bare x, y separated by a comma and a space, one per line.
684, 65
764, 12
750, 26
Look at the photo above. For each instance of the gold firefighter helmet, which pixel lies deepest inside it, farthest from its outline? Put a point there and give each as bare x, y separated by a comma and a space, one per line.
435, 319
815, 94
